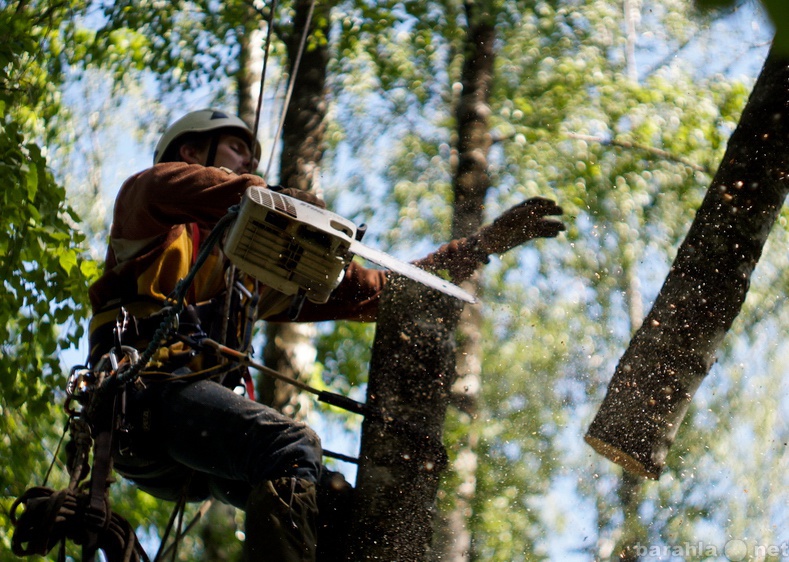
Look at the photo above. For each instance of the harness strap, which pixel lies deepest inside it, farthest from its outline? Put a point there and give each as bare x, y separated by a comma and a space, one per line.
195, 251
102, 335
209, 161
50, 517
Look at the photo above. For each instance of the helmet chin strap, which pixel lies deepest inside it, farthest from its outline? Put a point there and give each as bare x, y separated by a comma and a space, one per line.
209, 160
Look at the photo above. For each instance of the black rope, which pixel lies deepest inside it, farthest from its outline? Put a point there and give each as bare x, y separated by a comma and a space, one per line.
168, 529
340, 456
57, 452
211, 157
266, 50
201, 511
50, 517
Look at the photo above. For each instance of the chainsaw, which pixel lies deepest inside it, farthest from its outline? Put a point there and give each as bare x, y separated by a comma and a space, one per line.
300, 249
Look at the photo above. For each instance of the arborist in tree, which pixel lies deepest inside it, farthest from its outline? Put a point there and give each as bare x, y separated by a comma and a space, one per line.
185, 430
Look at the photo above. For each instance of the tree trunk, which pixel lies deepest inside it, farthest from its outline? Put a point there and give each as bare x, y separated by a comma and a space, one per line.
218, 533
630, 493
250, 59
411, 370
675, 347
413, 364
471, 180
633, 533
289, 348
305, 119
471, 183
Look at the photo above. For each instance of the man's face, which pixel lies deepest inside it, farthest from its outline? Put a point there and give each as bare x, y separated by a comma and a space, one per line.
232, 152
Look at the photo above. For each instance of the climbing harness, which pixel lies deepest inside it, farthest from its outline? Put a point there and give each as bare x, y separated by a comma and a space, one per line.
81, 511
95, 405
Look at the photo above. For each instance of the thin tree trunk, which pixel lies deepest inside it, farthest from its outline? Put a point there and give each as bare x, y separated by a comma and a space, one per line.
471, 183
289, 347
249, 64
675, 347
471, 180
290, 350
630, 493
631, 16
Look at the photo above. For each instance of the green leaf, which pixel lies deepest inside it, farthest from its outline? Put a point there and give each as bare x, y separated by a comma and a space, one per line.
67, 261
31, 181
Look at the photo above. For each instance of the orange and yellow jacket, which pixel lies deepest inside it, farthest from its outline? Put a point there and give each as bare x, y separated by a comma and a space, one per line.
161, 214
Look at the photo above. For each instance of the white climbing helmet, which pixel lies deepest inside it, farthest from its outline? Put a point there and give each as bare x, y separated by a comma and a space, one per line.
203, 121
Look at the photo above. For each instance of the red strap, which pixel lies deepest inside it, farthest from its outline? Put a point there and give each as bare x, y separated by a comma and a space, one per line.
195, 250
195, 241
249, 384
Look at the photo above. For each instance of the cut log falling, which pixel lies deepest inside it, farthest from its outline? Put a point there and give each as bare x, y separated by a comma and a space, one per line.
675, 347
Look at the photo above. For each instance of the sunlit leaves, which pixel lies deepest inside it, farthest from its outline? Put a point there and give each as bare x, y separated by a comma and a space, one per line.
44, 274
38, 268
185, 43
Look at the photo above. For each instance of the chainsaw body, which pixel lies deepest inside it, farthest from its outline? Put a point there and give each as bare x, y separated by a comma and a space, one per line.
290, 245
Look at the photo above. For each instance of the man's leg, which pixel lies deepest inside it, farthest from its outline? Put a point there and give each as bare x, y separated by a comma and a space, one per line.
209, 428
281, 523
258, 460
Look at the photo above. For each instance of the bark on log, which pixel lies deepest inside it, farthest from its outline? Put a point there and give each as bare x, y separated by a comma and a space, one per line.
675, 347
402, 455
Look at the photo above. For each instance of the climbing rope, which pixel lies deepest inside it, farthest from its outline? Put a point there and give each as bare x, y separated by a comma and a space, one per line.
50, 517
80, 512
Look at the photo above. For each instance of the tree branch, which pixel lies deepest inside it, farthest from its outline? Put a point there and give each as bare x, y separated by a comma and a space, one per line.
636, 146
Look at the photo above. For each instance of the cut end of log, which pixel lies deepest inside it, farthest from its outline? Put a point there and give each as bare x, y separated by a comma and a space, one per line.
618, 456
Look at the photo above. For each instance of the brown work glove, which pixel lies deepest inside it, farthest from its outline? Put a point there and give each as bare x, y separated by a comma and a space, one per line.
306, 196
519, 224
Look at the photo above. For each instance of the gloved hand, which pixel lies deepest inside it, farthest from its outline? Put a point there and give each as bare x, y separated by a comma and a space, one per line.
306, 196
519, 224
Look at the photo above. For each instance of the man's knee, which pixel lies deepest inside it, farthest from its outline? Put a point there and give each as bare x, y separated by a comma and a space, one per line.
309, 438
310, 453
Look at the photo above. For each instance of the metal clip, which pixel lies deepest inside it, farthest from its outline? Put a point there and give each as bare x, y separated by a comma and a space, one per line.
80, 384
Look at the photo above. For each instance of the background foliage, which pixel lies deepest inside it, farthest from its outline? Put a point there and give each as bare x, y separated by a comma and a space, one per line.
622, 122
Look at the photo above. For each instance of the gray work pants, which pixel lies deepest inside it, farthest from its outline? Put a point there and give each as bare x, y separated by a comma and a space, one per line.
201, 438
